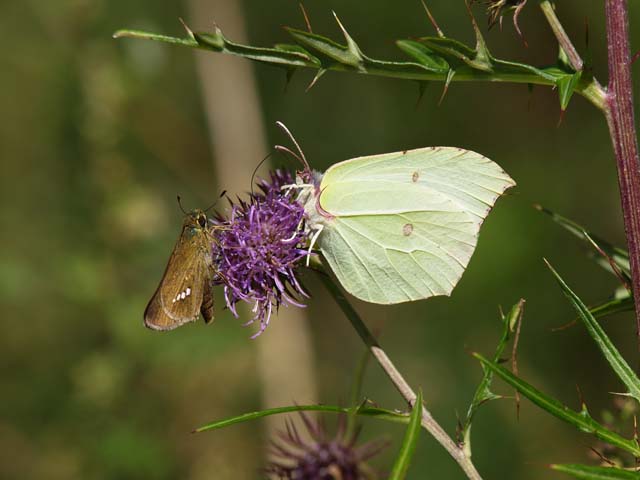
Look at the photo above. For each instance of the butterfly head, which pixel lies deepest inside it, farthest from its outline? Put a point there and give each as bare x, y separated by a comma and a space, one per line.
196, 219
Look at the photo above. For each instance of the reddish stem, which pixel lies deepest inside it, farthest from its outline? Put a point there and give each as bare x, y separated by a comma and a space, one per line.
620, 118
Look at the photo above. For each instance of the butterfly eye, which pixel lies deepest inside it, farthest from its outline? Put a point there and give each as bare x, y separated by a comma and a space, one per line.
202, 220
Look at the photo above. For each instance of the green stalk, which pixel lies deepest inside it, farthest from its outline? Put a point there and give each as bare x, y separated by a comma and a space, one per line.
428, 422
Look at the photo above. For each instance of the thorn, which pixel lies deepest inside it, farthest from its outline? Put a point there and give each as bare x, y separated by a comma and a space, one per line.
562, 112
344, 30
481, 46
450, 75
189, 31
351, 44
635, 57
306, 17
431, 19
612, 263
316, 78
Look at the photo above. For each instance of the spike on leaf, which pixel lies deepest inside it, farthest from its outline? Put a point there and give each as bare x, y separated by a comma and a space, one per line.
319, 74
450, 75
352, 46
483, 57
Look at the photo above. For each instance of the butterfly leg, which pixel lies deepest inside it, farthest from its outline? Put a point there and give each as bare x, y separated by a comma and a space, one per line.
313, 242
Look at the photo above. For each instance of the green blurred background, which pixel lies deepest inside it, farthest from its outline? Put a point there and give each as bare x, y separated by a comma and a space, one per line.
97, 138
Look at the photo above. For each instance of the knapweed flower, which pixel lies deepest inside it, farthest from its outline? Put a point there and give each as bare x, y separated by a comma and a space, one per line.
258, 248
320, 457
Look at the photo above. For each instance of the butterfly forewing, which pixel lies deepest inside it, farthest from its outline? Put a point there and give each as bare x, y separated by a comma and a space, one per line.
185, 290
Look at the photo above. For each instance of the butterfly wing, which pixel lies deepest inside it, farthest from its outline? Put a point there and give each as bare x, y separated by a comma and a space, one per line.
405, 224
185, 290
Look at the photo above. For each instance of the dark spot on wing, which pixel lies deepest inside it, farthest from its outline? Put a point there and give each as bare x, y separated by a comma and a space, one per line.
415, 176
404, 152
407, 229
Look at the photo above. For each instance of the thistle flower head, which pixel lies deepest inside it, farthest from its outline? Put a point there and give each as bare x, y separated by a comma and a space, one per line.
321, 457
258, 247
497, 8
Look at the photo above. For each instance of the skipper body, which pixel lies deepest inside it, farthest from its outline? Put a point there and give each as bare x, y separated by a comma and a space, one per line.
186, 288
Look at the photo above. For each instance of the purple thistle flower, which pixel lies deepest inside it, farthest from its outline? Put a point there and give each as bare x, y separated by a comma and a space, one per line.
321, 457
258, 248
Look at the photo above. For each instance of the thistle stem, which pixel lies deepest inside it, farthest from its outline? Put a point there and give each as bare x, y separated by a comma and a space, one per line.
563, 39
428, 422
620, 119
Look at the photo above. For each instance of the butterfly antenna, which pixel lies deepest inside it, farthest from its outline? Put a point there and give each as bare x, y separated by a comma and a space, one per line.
255, 170
222, 194
180, 205
300, 157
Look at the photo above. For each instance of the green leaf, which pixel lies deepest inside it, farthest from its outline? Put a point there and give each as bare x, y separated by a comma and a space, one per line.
608, 349
379, 413
424, 56
567, 84
581, 420
403, 460
483, 392
619, 256
587, 472
456, 53
340, 53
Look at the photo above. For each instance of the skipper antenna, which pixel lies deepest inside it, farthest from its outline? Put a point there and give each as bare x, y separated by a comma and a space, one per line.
180, 205
222, 194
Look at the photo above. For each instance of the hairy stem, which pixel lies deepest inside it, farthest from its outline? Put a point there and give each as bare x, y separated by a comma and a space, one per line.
620, 118
428, 422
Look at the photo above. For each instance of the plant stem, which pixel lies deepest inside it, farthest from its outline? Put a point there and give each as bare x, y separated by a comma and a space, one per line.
428, 422
562, 37
620, 118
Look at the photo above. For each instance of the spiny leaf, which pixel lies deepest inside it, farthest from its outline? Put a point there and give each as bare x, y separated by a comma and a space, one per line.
435, 59
380, 413
455, 53
618, 255
608, 349
581, 420
587, 472
403, 460
483, 392
326, 46
424, 56
483, 57
352, 46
